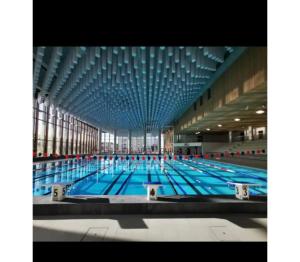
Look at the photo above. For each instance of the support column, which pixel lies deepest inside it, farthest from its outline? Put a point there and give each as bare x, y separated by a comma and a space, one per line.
87, 139
79, 140
173, 140
76, 145
159, 141
36, 125
145, 140
96, 132
67, 139
62, 134
95, 136
47, 109
83, 138
115, 141
100, 140
250, 133
230, 136
55, 132
129, 149
72, 137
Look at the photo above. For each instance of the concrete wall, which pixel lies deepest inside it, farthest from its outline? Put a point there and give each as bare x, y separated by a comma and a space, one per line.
216, 137
212, 147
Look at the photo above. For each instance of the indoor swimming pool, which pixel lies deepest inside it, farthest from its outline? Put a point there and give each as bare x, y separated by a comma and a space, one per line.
127, 177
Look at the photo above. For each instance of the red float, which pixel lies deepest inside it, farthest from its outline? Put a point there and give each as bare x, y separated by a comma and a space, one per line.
154, 157
122, 158
66, 157
258, 151
175, 157
143, 158
165, 157
132, 157
206, 156
110, 157
45, 154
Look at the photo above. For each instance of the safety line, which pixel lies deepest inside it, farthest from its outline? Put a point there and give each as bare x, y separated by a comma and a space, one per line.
79, 179
60, 172
216, 176
188, 182
50, 167
127, 178
158, 178
123, 184
149, 177
114, 182
171, 183
238, 172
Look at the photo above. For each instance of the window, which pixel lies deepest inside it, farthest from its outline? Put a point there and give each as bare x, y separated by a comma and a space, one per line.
152, 141
107, 142
208, 93
67, 134
137, 141
122, 142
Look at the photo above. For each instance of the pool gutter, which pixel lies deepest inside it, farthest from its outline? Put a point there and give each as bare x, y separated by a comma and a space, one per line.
98, 205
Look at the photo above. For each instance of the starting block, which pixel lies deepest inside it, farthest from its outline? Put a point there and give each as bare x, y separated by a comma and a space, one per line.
242, 189
58, 190
152, 188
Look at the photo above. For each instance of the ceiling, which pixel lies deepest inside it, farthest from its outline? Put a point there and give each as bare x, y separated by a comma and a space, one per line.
127, 87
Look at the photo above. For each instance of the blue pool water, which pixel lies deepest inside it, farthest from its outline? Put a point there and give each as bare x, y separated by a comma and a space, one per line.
126, 177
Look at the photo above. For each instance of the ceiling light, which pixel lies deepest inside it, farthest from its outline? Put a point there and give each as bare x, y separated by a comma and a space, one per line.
208, 129
260, 112
219, 125
197, 133
237, 119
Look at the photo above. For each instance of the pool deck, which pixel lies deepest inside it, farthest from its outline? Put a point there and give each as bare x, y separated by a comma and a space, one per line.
150, 227
102, 205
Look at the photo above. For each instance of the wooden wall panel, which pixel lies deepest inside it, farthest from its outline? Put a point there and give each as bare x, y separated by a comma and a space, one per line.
245, 75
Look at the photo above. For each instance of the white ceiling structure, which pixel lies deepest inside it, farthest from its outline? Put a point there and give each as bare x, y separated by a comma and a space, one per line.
127, 87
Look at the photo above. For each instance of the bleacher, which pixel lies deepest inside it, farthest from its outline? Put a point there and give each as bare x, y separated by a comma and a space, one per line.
250, 149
